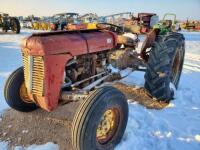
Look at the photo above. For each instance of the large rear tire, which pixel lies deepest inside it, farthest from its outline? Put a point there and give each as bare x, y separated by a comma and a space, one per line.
165, 65
100, 121
15, 92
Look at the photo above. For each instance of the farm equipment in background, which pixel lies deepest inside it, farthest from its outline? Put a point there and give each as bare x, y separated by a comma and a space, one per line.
143, 23
140, 25
42, 24
30, 22
87, 21
168, 24
117, 19
89, 18
59, 21
90, 21
45, 25
72, 66
197, 26
9, 23
191, 25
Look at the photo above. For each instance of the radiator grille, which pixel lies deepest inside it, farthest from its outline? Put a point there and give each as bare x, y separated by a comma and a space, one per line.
34, 74
26, 60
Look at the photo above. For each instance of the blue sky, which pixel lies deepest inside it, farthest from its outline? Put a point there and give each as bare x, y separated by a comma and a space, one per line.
183, 8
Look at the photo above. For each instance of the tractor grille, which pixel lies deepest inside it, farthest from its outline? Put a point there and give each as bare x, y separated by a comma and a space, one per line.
34, 74
26, 71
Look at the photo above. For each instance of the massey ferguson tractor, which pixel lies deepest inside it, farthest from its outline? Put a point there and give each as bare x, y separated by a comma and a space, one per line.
72, 66
9, 23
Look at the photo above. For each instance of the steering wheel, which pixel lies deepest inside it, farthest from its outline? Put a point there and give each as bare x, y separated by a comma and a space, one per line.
110, 27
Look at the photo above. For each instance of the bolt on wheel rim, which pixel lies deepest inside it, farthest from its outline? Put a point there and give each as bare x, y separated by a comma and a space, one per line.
107, 126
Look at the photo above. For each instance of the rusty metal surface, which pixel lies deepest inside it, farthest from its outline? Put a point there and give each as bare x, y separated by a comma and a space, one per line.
87, 79
149, 40
76, 26
74, 43
69, 96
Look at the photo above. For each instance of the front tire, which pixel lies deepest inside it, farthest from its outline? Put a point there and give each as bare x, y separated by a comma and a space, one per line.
100, 121
165, 65
13, 90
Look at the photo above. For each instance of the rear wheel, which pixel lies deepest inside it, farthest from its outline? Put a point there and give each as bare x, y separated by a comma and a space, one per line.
15, 92
165, 65
15, 25
100, 121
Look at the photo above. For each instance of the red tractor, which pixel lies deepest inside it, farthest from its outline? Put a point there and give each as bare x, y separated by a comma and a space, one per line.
72, 65
146, 21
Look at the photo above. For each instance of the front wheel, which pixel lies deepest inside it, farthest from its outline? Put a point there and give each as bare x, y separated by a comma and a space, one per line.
100, 121
15, 92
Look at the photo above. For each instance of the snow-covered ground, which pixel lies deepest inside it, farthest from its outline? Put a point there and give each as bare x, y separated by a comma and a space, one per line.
176, 127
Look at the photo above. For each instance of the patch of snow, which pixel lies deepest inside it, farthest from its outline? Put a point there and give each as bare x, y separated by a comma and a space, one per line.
187, 139
170, 105
195, 108
197, 137
135, 78
162, 135
3, 145
173, 88
113, 70
24, 131
126, 72
47, 146
169, 134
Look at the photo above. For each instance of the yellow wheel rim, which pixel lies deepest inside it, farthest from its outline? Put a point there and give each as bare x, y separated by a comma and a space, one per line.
24, 94
107, 126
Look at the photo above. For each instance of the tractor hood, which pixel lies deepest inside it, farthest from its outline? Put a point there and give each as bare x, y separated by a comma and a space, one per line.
69, 42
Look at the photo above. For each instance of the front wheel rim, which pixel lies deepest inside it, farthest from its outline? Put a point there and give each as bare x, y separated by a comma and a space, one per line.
108, 126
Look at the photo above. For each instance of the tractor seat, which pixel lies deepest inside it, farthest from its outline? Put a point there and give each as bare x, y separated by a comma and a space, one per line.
167, 23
